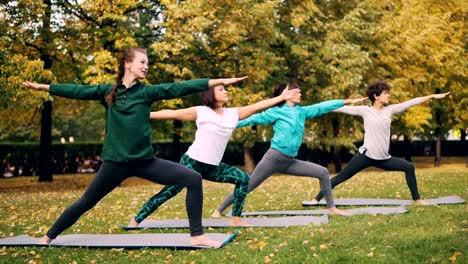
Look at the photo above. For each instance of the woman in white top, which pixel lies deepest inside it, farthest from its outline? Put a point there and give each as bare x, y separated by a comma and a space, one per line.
374, 151
215, 124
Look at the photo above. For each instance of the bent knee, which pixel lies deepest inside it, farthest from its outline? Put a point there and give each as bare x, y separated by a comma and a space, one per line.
323, 174
244, 179
194, 179
409, 167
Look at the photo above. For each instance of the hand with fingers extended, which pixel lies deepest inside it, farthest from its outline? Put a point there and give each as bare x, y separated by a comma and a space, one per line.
36, 86
355, 101
289, 94
226, 81
439, 96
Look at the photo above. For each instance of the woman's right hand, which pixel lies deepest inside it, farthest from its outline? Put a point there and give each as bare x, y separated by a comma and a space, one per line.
37, 86
289, 94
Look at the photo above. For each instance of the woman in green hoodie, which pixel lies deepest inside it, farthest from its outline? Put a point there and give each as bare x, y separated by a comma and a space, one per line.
288, 119
127, 149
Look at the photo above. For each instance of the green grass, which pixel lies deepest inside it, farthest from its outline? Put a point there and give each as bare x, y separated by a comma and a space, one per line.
433, 234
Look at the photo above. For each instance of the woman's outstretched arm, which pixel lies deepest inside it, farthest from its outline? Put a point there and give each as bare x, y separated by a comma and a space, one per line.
398, 108
249, 110
37, 86
186, 114
73, 91
225, 81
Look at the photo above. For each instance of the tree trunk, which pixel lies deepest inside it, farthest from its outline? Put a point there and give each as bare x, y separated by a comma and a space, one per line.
45, 147
438, 156
464, 144
249, 162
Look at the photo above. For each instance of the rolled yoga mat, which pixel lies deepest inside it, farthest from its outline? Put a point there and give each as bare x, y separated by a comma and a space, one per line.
354, 211
375, 201
224, 222
129, 241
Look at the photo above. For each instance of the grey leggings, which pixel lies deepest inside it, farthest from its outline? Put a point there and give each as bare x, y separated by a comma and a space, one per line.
111, 174
276, 162
360, 162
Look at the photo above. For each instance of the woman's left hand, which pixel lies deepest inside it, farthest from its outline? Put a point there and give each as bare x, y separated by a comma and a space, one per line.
355, 101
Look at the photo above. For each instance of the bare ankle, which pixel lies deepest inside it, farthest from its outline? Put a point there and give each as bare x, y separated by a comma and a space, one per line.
133, 223
420, 202
45, 240
204, 241
237, 221
336, 211
216, 214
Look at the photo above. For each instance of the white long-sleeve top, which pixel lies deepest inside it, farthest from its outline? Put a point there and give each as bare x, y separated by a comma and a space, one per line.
377, 126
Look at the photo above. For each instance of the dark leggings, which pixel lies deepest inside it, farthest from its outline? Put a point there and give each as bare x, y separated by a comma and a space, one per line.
220, 173
360, 162
111, 174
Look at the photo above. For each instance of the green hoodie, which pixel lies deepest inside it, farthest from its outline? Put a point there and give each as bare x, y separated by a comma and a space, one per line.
128, 130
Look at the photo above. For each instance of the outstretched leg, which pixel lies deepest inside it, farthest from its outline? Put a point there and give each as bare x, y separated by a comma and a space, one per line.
355, 165
272, 162
171, 173
230, 174
397, 164
155, 202
309, 169
109, 176
164, 195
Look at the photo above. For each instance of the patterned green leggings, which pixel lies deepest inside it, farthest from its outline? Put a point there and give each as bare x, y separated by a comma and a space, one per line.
220, 173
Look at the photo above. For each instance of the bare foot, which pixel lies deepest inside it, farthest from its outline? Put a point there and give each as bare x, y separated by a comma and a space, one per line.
132, 223
335, 211
421, 202
237, 221
45, 240
313, 201
204, 241
216, 214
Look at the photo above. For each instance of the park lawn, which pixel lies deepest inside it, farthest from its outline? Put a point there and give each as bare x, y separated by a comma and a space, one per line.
433, 234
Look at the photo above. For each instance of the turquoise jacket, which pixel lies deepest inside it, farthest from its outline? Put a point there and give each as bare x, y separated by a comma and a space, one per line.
288, 123
128, 130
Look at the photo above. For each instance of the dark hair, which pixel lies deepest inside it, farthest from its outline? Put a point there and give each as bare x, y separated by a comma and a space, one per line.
208, 97
376, 88
278, 90
127, 56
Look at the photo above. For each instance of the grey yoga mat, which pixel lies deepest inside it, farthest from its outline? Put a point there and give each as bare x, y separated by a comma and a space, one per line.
130, 241
370, 201
354, 211
224, 222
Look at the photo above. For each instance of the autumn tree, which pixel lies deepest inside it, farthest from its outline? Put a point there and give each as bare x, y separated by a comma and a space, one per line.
64, 35
421, 50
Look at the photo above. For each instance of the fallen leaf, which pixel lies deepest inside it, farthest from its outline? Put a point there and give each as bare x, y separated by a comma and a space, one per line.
453, 258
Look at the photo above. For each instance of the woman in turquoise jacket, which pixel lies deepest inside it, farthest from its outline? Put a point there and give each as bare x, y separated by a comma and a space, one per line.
288, 121
127, 149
